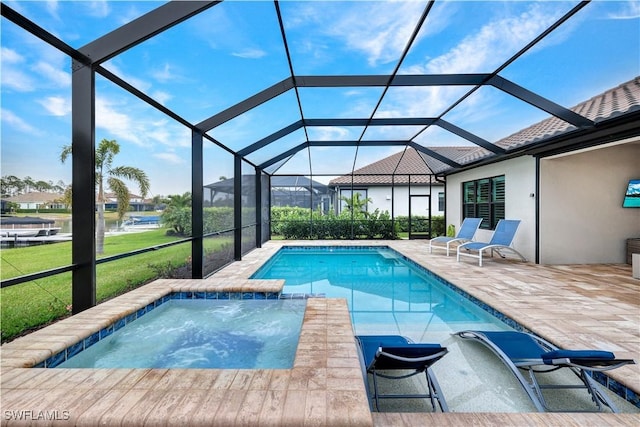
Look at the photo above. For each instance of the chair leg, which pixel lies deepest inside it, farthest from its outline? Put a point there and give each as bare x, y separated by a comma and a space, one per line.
435, 392
375, 392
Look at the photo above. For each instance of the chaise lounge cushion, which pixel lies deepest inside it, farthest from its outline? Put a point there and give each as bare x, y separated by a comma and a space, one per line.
577, 356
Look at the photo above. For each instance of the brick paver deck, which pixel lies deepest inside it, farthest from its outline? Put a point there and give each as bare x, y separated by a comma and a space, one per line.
572, 306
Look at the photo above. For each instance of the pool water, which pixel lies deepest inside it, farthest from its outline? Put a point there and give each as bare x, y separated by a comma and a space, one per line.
242, 334
386, 293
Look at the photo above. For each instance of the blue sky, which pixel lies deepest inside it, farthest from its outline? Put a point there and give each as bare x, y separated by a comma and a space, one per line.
234, 50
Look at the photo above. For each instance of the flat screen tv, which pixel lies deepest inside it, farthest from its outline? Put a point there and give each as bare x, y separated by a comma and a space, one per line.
632, 197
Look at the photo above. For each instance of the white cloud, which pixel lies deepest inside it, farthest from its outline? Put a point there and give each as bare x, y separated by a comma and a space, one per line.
98, 9
12, 75
474, 53
118, 124
17, 80
52, 8
9, 118
136, 82
329, 133
477, 52
10, 56
56, 105
165, 74
628, 10
380, 30
55, 75
161, 96
250, 53
172, 158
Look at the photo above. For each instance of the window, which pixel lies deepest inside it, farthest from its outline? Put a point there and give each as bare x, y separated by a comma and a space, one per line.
358, 198
441, 201
484, 198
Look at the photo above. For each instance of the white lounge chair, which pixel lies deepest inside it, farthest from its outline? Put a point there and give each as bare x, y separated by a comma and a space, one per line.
500, 241
467, 231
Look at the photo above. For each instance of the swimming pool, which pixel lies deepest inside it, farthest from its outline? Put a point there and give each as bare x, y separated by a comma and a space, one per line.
202, 333
387, 293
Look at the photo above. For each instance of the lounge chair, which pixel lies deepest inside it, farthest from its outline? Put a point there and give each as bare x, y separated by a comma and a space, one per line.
467, 231
500, 241
521, 351
396, 353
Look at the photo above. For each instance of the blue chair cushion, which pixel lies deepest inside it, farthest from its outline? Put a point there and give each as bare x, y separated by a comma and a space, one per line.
371, 343
577, 355
397, 345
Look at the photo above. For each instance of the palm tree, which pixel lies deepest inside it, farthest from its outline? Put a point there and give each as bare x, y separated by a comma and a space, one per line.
177, 214
105, 152
180, 201
356, 204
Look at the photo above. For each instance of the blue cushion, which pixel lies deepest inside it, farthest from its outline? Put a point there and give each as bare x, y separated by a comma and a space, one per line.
577, 355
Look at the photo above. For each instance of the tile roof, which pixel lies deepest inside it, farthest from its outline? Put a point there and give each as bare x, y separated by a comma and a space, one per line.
619, 100
402, 164
34, 197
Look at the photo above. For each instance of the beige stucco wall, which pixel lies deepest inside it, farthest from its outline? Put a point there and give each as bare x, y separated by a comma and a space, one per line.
519, 186
581, 214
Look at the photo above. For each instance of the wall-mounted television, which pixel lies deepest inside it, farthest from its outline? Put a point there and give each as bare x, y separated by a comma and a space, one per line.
632, 197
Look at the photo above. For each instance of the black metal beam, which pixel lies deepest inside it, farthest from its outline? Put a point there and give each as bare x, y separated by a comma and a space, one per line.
392, 121
258, 204
385, 121
43, 34
197, 204
83, 207
539, 102
398, 80
271, 138
246, 105
363, 143
338, 81
435, 155
143, 28
282, 156
469, 136
237, 207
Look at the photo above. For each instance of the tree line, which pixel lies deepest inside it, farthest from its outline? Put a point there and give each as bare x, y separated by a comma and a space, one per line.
11, 185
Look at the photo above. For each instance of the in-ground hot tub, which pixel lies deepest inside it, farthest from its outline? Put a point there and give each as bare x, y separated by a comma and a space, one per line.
198, 333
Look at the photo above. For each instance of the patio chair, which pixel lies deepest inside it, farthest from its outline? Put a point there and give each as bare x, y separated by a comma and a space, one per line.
500, 241
522, 351
467, 231
381, 354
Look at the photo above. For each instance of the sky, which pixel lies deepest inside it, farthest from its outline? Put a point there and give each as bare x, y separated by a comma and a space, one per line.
233, 50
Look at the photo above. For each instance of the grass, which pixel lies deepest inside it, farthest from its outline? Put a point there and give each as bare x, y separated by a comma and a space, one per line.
33, 304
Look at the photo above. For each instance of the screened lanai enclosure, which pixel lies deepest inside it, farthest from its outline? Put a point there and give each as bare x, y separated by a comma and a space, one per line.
340, 109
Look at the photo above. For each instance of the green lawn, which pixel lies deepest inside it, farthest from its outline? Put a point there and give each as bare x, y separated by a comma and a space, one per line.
32, 304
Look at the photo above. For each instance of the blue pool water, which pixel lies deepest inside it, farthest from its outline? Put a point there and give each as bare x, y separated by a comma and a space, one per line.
248, 334
386, 293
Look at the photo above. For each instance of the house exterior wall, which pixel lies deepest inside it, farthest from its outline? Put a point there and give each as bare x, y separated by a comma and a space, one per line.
382, 198
582, 220
520, 184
